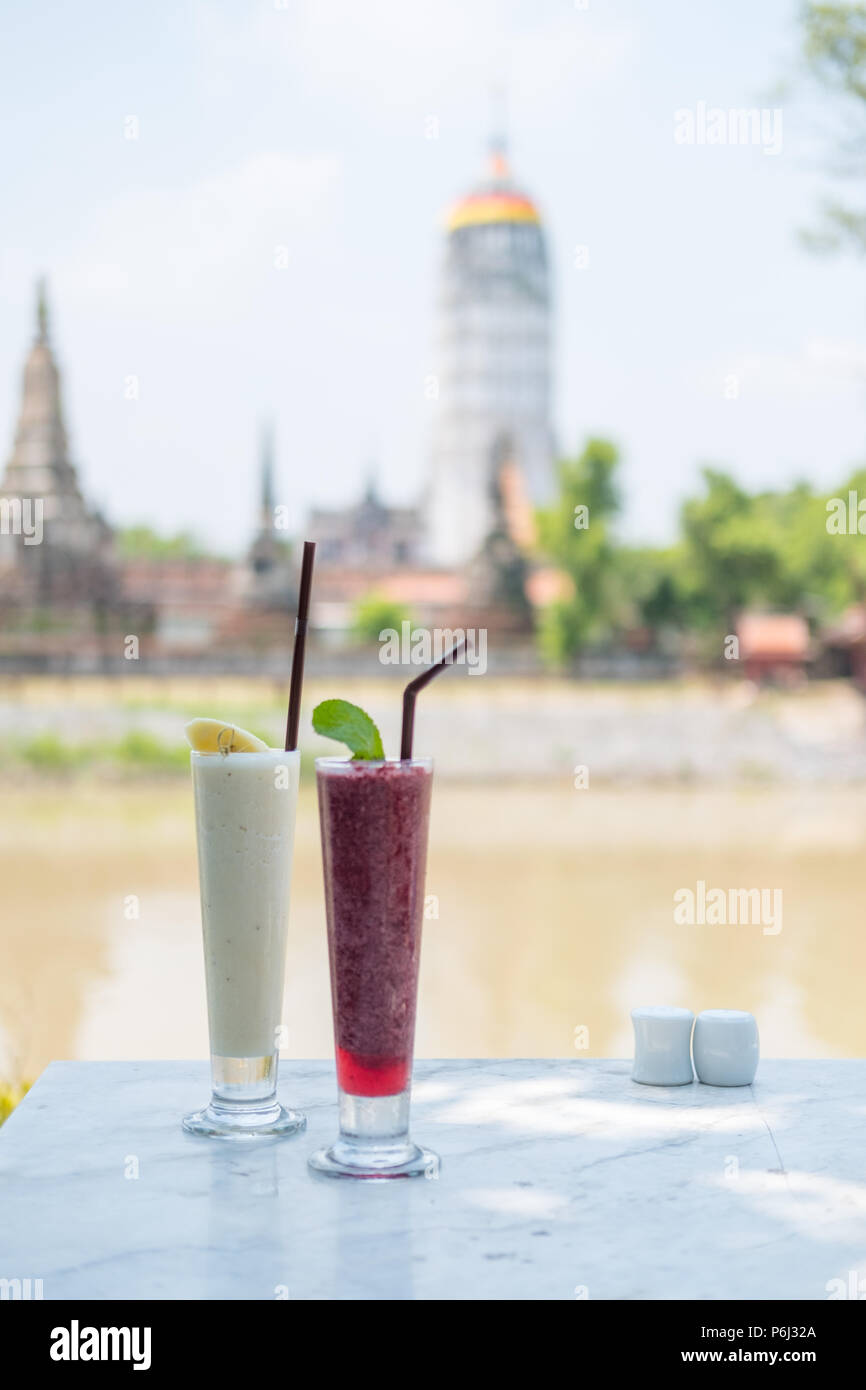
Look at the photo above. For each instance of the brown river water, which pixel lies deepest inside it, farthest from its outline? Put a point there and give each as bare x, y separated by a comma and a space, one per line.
555, 916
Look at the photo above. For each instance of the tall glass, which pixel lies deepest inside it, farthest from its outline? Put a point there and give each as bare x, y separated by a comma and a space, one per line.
374, 820
245, 805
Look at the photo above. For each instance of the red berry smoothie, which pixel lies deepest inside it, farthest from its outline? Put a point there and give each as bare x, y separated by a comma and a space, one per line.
374, 818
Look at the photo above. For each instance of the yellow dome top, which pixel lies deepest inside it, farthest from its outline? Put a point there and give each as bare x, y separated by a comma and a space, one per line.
497, 201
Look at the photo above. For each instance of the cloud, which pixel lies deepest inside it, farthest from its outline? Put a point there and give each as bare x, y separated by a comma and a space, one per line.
402, 51
818, 369
212, 240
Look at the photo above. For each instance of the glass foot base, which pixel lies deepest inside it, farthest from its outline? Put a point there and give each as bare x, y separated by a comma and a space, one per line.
265, 1122
346, 1160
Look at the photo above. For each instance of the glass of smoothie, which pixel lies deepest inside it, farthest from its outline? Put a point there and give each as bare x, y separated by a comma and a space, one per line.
246, 797
374, 817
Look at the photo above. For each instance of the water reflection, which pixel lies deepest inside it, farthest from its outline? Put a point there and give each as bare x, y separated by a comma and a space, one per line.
554, 915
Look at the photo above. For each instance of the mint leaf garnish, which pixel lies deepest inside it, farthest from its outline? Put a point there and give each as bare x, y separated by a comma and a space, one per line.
349, 724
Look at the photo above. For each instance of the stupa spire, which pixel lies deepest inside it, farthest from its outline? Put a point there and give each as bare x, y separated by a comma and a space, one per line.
41, 310
498, 142
39, 459
266, 453
73, 561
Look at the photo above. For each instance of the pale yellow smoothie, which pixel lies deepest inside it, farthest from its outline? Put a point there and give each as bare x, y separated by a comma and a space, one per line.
245, 805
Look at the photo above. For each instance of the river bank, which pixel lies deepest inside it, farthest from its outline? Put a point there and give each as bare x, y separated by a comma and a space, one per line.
481, 729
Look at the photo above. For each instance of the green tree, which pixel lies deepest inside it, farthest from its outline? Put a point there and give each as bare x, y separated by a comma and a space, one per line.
837, 561
653, 588
792, 550
143, 543
834, 42
373, 614
773, 549
729, 557
576, 534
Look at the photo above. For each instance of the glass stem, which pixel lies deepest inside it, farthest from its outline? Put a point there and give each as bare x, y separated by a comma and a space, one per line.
244, 1083
375, 1122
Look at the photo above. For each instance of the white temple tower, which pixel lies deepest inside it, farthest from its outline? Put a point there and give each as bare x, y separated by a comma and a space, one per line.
493, 367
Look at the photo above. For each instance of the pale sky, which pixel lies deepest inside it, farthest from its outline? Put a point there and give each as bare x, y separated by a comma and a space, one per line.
303, 125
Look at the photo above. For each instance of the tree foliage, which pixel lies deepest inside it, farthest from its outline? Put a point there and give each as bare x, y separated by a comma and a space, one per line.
576, 534
143, 543
375, 613
834, 44
735, 549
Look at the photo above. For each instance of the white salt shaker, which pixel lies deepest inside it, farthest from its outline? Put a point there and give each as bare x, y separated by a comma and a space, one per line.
662, 1055
726, 1047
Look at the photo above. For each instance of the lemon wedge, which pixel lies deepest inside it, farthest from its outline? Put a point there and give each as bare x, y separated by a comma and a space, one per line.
216, 736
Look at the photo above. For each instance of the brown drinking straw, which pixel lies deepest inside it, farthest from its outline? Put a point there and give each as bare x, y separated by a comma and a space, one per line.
300, 643
411, 691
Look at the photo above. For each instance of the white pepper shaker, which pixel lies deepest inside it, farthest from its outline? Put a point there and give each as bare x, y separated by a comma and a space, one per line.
662, 1052
726, 1047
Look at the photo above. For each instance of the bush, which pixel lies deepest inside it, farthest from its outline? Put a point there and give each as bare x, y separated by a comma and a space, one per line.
373, 614
141, 749
48, 753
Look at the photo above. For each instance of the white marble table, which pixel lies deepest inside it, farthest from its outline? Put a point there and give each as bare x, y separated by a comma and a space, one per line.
559, 1179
